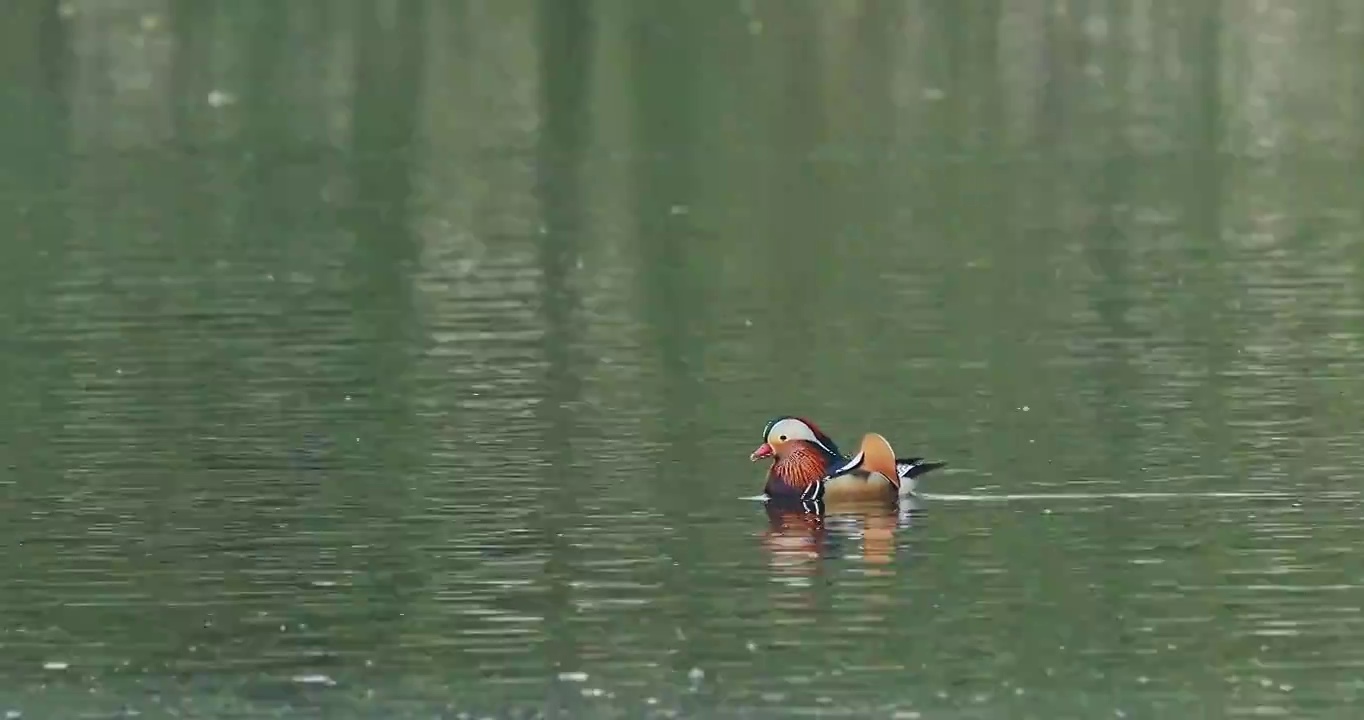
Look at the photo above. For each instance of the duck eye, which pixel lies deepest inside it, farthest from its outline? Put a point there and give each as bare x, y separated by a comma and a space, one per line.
782, 438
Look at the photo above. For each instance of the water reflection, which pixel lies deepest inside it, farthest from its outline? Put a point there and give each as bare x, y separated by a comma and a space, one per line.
801, 536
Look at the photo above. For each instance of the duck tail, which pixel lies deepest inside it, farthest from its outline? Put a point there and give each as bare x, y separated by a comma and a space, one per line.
914, 467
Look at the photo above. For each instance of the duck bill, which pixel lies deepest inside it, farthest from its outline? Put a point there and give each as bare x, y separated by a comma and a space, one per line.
763, 451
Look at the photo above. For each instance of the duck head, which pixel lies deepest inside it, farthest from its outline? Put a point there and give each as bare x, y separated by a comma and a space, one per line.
786, 435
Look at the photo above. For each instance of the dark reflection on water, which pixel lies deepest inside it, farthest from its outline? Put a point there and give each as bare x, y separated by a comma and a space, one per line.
402, 360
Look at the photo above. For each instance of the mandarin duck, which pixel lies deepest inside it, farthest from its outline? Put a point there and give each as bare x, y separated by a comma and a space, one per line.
808, 467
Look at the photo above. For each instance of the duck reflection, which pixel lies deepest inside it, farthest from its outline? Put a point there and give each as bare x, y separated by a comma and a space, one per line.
800, 535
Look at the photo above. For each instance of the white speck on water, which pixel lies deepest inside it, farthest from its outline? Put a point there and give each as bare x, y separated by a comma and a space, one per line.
1025, 408
752, 646
315, 679
696, 675
906, 715
678, 210
55, 665
221, 98
573, 676
13, 715
933, 94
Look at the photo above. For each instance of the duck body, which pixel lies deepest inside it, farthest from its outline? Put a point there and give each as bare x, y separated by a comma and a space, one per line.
808, 467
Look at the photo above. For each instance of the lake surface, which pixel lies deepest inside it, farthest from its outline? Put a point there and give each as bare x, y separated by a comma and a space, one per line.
404, 359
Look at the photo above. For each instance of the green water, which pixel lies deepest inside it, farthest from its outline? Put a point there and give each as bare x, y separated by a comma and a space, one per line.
403, 359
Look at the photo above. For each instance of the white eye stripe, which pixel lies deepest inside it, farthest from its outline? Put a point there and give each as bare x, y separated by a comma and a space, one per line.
827, 449
793, 429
